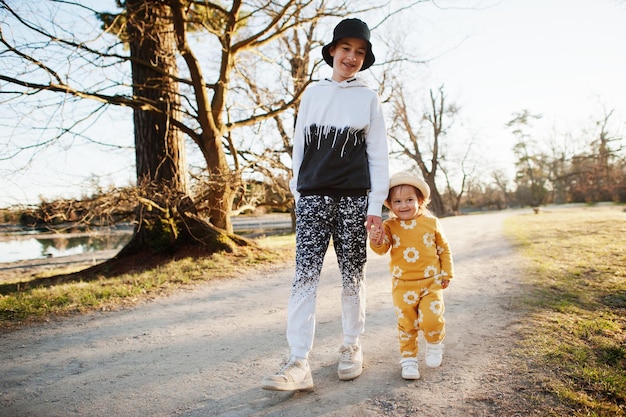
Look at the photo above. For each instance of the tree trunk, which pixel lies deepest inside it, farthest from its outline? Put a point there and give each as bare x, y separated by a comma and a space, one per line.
223, 182
436, 201
222, 187
160, 147
166, 215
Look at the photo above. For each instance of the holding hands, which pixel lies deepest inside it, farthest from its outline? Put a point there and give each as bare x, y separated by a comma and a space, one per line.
377, 234
374, 227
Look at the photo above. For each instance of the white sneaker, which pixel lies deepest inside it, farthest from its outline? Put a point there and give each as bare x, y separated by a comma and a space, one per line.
434, 354
350, 362
294, 376
409, 368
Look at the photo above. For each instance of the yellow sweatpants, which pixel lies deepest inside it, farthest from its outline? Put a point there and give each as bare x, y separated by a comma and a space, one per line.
419, 306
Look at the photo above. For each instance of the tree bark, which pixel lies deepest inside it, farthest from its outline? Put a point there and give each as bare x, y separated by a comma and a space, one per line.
166, 217
159, 145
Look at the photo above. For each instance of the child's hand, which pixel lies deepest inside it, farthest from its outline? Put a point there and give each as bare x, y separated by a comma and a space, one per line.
445, 283
376, 235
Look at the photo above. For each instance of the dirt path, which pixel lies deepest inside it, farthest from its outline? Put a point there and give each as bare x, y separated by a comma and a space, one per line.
204, 352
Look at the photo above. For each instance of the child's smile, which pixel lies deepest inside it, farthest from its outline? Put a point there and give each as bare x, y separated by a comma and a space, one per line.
404, 202
348, 57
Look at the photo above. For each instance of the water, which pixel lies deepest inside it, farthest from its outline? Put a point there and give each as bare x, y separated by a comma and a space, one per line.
17, 245
23, 247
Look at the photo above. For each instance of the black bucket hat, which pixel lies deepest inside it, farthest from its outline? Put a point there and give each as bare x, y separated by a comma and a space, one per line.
351, 28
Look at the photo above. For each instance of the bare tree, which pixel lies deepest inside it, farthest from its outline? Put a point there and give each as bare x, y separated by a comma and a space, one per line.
272, 163
532, 167
467, 171
499, 179
597, 174
565, 169
156, 31
175, 93
421, 144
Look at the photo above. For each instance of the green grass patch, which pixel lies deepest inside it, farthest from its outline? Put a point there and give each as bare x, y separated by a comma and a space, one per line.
30, 304
575, 335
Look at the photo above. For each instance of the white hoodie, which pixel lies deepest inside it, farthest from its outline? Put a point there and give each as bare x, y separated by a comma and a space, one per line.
340, 143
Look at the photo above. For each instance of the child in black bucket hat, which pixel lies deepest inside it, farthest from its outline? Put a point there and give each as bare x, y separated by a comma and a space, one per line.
340, 181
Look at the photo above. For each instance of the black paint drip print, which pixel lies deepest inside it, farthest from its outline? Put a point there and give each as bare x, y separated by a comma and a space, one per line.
332, 137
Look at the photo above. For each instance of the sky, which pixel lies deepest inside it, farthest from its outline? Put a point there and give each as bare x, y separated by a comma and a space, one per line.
563, 59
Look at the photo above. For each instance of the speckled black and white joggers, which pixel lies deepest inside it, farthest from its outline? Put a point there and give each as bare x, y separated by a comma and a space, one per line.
318, 218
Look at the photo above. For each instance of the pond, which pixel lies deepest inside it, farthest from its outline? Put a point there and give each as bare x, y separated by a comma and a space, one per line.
17, 244
23, 246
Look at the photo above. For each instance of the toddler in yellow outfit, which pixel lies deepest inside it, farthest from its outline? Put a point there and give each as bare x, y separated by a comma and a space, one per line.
421, 268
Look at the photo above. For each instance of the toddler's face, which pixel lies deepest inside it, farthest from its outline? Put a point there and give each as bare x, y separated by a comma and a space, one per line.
404, 202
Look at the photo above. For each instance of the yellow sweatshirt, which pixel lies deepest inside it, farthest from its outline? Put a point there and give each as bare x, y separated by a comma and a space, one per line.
419, 249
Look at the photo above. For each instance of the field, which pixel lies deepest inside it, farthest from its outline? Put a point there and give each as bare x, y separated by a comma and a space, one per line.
574, 340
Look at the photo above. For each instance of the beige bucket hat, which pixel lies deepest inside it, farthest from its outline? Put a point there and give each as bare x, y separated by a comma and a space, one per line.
410, 179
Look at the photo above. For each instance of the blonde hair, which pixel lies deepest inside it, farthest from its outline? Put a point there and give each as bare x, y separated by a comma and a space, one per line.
422, 209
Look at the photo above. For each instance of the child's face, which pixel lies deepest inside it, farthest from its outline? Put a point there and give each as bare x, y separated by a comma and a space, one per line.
404, 202
348, 56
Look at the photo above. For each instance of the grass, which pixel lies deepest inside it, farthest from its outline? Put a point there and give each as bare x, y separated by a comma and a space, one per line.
30, 304
575, 335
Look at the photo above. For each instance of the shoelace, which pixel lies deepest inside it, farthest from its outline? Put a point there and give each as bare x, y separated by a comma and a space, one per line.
347, 352
291, 363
